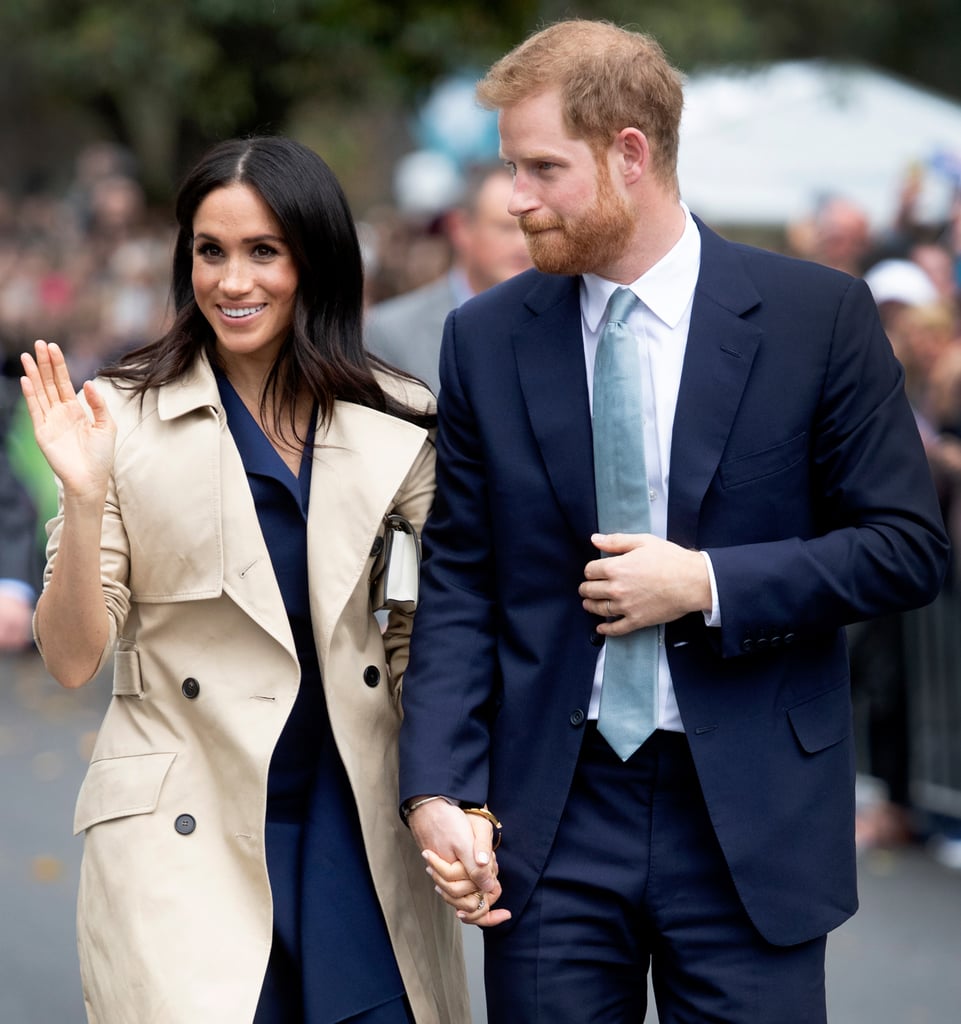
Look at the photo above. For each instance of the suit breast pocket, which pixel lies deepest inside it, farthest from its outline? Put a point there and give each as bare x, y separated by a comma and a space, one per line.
759, 465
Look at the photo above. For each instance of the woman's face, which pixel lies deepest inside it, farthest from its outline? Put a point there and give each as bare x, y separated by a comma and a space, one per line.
244, 277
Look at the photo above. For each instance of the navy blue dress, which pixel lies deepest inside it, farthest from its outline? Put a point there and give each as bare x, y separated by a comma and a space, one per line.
331, 959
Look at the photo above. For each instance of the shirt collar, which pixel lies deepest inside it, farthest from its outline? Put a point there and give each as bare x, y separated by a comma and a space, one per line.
666, 289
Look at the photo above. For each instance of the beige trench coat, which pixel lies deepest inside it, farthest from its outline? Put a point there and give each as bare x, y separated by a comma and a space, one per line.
174, 917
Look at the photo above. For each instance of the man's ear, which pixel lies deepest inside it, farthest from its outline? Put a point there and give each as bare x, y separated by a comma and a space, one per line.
633, 154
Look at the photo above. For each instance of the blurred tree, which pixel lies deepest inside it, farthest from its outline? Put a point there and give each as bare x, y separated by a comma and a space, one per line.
166, 77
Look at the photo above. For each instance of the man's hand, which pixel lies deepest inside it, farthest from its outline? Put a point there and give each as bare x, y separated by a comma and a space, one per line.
644, 581
457, 848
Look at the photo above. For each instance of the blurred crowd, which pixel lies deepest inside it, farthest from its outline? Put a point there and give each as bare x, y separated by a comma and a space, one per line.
906, 671
88, 266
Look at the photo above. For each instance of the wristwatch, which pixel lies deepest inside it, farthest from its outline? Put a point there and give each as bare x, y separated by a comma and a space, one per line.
409, 806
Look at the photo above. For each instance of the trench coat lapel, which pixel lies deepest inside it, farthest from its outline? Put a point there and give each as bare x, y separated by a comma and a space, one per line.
360, 463
233, 556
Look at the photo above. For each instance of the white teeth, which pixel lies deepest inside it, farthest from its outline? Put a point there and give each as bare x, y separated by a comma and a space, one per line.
237, 314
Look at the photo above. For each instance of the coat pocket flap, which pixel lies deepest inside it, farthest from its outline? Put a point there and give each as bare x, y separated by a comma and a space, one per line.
824, 720
119, 786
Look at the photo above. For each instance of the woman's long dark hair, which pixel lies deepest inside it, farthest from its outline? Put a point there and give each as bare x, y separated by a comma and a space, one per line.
324, 352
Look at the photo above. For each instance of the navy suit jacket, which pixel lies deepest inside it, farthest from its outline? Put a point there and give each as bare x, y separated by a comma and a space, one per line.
795, 463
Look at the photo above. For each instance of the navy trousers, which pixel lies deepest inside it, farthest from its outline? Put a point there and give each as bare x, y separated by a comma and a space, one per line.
636, 881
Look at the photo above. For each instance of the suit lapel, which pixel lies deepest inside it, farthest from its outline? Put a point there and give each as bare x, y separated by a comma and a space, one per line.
721, 346
549, 350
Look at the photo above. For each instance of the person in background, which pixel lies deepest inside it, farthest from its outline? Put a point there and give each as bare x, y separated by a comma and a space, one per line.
224, 493
18, 546
638, 665
488, 247
837, 234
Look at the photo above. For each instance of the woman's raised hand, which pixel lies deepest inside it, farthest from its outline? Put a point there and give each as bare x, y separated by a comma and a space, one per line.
78, 449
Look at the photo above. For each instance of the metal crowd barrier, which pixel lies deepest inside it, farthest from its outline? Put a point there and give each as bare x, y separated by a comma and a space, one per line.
933, 660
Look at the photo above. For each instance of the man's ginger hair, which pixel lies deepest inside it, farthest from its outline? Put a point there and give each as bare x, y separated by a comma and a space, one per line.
609, 78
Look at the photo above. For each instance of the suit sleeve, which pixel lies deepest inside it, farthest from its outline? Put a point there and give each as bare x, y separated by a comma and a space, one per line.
878, 544
444, 742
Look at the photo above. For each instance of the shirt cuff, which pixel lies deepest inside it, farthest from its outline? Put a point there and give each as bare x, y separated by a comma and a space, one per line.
714, 619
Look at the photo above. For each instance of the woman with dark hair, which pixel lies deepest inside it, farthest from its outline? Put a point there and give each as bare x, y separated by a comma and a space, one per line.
224, 494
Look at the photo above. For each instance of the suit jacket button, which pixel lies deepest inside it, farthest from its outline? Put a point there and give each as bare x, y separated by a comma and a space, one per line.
372, 675
577, 717
190, 688
185, 824
747, 645
596, 639
789, 638
763, 642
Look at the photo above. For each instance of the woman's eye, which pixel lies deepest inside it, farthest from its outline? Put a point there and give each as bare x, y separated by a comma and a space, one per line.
207, 249
264, 251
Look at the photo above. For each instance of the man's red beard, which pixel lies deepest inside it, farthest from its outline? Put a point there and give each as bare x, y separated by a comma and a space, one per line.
588, 243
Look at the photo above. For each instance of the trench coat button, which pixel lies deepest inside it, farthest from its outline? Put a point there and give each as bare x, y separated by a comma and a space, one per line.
185, 824
577, 717
372, 675
190, 688
596, 639
378, 546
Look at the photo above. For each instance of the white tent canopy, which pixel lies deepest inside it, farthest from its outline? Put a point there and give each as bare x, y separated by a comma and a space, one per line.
762, 146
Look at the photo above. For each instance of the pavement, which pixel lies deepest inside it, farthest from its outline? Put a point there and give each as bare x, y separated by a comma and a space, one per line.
898, 961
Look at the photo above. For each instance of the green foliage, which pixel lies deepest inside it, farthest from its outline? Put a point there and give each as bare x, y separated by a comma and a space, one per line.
168, 76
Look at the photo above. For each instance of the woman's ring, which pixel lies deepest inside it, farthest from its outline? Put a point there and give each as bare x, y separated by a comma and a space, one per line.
481, 902
609, 612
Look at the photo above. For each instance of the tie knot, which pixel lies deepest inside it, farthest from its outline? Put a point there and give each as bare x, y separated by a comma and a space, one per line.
620, 305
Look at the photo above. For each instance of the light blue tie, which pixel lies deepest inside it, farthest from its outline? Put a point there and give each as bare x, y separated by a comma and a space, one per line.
628, 712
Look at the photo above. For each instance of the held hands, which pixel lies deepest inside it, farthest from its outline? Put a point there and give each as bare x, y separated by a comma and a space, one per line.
644, 581
78, 449
457, 848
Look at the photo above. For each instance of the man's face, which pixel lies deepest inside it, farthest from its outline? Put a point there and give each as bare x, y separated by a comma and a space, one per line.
574, 218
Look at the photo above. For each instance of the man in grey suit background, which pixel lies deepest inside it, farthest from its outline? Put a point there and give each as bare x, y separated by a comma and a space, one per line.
487, 247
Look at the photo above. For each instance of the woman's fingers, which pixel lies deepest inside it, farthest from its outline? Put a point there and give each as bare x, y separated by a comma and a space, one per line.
455, 887
61, 375
48, 377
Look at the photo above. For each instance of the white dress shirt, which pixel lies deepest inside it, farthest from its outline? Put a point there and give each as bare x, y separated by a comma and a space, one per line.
660, 321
